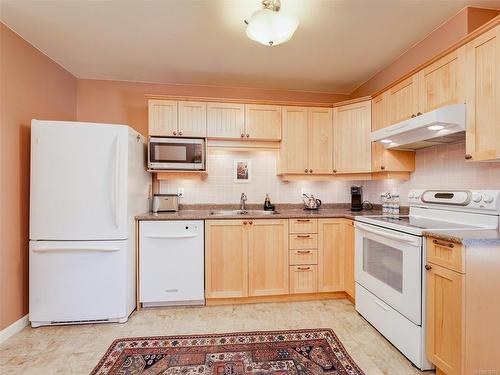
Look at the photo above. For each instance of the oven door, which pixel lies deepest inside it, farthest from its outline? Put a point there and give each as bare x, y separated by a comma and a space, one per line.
176, 153
389, 264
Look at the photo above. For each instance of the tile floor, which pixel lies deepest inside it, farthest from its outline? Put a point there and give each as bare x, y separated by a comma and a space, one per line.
77, 349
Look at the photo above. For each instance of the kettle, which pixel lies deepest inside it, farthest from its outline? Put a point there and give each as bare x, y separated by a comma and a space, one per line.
311, 203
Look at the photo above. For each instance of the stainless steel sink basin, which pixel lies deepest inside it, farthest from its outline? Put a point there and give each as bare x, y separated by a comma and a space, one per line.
242, 212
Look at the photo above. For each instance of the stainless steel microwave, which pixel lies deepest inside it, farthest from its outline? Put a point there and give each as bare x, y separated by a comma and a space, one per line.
176, 153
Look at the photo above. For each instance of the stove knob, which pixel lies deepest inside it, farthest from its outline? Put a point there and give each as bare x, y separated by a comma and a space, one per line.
411, 195
487, 198
476, 197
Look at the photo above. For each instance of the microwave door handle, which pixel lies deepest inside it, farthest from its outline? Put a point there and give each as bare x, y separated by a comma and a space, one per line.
384, 233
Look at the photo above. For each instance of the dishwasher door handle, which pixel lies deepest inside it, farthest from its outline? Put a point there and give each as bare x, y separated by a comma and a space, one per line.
171, 236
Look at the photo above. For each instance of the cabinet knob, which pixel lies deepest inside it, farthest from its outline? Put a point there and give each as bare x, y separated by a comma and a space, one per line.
175, 132
419, 113
180, 133
334, 171
305, 170
250, 222
248, 135
428, 267
244, 223
468, 156
412, 116
310, 171
382, 167
242, 135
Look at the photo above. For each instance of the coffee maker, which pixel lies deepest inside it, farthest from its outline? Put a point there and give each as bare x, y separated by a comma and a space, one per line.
356, 198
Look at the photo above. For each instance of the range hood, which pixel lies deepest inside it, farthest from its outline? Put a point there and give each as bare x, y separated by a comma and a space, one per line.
441, 126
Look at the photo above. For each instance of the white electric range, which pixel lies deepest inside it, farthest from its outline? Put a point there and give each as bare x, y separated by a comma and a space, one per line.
390, 254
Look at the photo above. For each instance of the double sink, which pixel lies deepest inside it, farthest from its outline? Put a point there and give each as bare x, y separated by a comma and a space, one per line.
242, 213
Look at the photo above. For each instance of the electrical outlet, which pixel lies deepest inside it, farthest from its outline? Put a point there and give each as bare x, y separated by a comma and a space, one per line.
180, 192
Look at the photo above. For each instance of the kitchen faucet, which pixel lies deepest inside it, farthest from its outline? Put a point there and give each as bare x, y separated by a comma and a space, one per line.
243, 200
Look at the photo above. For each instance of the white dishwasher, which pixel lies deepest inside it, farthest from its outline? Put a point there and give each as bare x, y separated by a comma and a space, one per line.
171, 263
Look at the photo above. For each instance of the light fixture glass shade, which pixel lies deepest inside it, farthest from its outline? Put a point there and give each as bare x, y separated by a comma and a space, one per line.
271, 28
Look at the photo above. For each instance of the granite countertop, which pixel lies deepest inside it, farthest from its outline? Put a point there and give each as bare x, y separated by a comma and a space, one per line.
284, 211
475, 237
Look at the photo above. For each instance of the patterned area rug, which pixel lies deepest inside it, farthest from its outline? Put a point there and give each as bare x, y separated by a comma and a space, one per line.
317, 351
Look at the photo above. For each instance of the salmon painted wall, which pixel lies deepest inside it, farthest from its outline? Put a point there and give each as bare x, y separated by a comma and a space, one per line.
456, 28
124, 102
31, 86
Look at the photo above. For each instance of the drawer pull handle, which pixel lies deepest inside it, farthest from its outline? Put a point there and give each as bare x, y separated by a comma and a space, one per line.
304, 252
303, 268
428, 267
381, 306
303, 220
303, 236
171, 290
450, 245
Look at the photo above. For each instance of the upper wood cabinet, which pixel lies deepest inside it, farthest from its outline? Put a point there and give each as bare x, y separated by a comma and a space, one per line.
352, 125
384, 160
162, 117
306, 145
192, 119
483, 97
226, 259
168, 118
267, 257
331, 255
225, 120
403, 100
263, 122
442, 82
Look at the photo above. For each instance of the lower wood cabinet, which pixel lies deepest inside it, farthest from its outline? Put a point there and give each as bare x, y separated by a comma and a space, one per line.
303, 279
331, 255
348, 232
226, 259
463, 334
267, 257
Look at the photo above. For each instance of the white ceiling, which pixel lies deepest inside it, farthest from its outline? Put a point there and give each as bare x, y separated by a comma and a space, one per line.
338, 45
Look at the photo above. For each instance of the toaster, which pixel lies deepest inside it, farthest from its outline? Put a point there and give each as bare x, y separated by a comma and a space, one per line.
165, 203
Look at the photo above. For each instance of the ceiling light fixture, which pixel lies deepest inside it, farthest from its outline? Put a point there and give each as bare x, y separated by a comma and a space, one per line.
386, 141
269, 26
435, 127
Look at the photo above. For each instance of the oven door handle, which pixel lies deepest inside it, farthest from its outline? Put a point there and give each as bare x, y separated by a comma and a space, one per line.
385, 233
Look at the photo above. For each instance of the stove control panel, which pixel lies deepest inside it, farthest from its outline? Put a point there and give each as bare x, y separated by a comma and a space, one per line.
477, 200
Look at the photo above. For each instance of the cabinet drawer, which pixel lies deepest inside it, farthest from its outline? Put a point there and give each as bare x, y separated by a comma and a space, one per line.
303, 279
299, 257
303, 241
446, 254
303, 226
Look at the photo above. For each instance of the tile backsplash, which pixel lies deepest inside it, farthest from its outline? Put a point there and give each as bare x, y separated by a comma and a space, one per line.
442, 167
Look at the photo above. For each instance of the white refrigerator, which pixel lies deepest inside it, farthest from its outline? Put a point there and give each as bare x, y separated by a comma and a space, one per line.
88, 181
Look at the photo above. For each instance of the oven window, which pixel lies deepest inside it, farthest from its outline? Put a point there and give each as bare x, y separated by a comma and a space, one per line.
170, 153
383, 262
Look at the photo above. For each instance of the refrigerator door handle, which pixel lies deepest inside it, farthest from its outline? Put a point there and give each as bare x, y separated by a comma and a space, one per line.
69, 249
117, 182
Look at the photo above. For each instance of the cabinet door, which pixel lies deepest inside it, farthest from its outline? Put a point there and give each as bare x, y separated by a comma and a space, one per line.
225, 120
380, 111
351, 138
320, 141
442, 83
226, 259
483, 96
303, 279
444, 319
192, 119
162, 117
348, 227
263, 122
294, 144
331, 255
268, 257
402, 100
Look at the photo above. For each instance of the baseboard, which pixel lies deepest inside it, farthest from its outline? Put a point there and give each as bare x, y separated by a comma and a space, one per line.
14, 328
280, 298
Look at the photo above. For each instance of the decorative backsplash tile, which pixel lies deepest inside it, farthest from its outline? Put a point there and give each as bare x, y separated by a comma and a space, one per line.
442, 167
